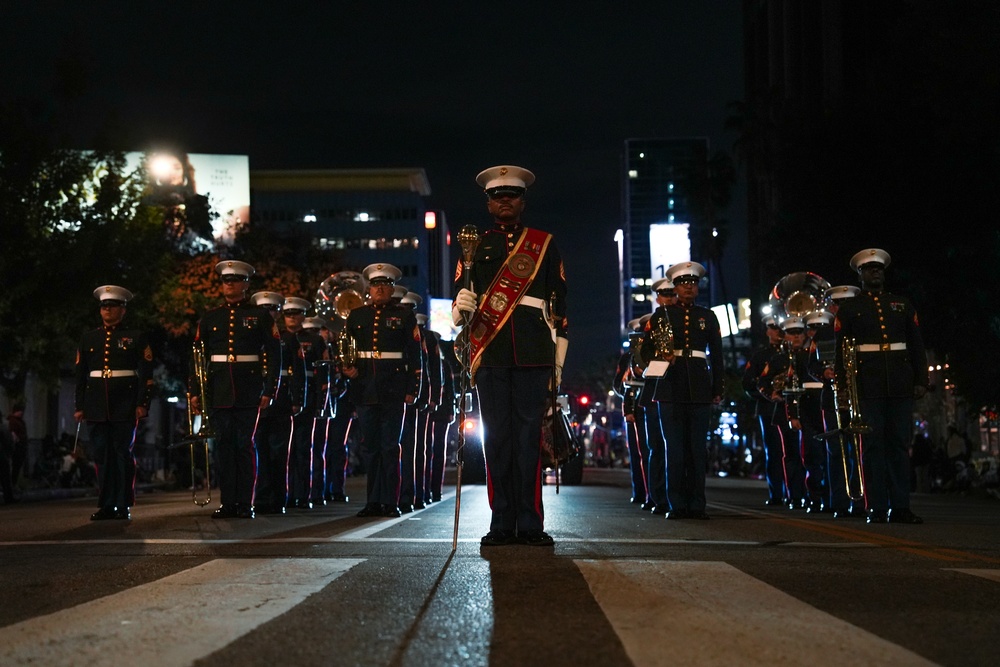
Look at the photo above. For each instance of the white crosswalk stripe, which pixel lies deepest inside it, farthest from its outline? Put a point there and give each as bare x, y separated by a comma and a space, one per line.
699, 612
174, 620
992, 575
711, 613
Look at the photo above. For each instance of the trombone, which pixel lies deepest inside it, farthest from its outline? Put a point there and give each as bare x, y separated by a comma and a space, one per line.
846, 402
204, 432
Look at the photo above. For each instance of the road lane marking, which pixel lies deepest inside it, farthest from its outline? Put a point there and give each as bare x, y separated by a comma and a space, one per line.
360, 536
172, 621
710, 613
867, 535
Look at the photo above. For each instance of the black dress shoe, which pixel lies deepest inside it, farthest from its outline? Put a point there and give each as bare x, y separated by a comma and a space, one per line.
814, 506
436, 497
103, 514
318, 502
701, 515
404, 509
774, 502
662, 510
371, 509
225, 512
498, 538
647, 506
245, 512
904, 516
419, 505
122, 514
339, 498
674, 515
535, 538
392, 511
842, 513
877, 517
327, 497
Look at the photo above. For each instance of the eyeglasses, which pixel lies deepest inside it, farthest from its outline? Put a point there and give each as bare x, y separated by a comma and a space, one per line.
504, 194
233, 278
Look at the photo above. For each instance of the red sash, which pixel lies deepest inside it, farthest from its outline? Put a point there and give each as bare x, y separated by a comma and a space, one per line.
509, 285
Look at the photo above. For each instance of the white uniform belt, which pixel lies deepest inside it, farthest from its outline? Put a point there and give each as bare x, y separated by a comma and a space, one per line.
234, 358
634, 383
376, 354
691, 353
285, 374
881, 347
106, 373
533, 302
812, 385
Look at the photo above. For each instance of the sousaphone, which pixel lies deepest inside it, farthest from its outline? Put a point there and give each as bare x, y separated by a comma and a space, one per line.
340, 294
798, 294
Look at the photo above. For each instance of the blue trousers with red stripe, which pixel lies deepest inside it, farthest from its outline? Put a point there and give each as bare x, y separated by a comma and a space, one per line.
235, 453
512, 405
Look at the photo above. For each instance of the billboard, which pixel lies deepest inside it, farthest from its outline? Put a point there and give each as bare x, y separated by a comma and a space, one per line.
180, 179
668, 244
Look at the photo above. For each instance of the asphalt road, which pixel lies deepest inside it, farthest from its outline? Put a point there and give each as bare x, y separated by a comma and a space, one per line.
621, 587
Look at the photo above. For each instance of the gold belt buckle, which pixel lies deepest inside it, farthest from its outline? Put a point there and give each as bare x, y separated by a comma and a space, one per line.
376, 354
885, 347
231, 358
106, 373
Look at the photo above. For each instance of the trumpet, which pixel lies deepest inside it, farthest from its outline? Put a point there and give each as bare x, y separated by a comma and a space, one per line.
662, 336
345, 350
204, 432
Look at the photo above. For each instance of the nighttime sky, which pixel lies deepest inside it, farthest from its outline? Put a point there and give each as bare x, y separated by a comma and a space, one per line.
450, 87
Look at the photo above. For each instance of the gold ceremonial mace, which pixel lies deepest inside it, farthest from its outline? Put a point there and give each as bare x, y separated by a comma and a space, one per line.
468, 238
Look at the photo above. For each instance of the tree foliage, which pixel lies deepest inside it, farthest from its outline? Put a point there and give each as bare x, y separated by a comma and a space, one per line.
72, 221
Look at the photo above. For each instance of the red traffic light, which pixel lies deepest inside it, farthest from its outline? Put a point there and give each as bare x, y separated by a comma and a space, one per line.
585, 400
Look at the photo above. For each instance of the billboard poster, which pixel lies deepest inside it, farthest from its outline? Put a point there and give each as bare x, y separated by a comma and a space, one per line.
222, 182
668, 244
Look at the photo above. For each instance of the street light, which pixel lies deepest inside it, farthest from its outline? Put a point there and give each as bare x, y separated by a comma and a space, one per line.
620, 240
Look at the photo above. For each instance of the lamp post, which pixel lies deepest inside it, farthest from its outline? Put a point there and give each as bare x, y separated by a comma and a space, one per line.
620, 240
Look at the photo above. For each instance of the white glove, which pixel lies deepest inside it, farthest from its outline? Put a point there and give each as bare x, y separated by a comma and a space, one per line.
562, 344
465, 302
